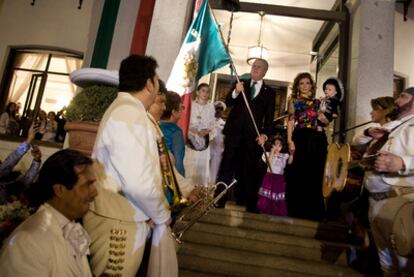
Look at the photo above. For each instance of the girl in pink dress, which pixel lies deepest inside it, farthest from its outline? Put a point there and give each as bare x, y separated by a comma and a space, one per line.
271, 198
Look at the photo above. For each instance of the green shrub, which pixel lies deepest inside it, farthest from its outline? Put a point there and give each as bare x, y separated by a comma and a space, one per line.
91, 103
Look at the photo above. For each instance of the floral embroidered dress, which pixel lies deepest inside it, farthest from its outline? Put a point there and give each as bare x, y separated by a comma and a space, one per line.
305, 112
304, 175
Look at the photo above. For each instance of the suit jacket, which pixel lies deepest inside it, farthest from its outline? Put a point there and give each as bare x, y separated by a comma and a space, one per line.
37, 248
263, 107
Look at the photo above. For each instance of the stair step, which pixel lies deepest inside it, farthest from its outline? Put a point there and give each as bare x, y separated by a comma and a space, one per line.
212, 267
190, 273
266, 243
216, 260
232, 242
283, 225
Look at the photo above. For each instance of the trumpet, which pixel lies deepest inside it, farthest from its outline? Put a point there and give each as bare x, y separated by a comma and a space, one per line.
189, 216
169, 181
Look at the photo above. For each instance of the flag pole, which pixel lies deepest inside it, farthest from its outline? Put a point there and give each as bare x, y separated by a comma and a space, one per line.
242, 92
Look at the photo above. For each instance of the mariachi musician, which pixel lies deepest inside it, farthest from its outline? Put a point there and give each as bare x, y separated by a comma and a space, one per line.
383, 115
363, 144
128, 174
155, 112
390, 186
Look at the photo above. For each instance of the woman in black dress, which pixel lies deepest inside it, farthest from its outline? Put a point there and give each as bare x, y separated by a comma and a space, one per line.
309, 147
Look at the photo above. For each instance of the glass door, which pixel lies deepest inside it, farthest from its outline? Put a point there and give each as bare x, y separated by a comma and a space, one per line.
33, 101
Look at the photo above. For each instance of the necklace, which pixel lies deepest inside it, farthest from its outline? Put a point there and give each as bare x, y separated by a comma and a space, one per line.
199, 109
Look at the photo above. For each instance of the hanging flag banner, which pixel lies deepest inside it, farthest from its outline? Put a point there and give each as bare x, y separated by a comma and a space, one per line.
202, 52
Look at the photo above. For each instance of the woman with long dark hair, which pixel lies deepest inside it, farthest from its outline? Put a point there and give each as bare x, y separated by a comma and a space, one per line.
309, 147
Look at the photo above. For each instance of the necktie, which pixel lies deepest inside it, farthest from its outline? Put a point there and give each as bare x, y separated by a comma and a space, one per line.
77, 237
253, 90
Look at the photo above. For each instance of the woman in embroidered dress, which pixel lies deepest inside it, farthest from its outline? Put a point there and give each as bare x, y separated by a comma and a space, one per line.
309, 147
201, 131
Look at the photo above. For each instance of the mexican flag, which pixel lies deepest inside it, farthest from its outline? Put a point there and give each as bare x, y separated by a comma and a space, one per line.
202, 52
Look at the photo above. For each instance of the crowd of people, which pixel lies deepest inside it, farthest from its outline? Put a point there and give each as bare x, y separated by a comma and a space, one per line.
124, 196
50, 126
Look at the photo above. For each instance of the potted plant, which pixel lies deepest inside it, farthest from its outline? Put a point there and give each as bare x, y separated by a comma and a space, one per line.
84, 113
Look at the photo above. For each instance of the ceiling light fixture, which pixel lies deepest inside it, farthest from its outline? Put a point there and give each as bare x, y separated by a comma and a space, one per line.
258, 51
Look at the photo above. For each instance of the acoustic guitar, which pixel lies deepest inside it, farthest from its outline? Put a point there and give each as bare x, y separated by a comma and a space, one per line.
344, 168
345, 164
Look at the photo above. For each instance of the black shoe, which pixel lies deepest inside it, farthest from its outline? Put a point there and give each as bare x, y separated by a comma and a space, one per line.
252, 210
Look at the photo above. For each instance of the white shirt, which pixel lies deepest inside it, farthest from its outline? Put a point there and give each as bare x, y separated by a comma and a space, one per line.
37, 247
62, 222
361, 139
277, 162
202, 117
401, 143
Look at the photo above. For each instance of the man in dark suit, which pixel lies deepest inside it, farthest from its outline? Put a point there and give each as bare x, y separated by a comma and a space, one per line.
242, 151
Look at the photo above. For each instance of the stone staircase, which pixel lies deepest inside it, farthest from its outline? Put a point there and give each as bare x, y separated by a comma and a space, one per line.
231, 242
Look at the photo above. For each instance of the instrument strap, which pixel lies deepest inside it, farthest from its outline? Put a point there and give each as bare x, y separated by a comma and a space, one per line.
376, 146
156, 125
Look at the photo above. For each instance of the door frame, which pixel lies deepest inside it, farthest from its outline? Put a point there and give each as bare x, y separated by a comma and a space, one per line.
338, 14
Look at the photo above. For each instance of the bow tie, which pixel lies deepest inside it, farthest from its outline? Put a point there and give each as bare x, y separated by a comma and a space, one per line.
77, 237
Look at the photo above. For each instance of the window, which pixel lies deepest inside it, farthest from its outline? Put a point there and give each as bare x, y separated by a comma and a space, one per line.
38, 80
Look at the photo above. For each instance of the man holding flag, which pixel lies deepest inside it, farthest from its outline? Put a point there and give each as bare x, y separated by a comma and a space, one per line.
242, 142
202, 52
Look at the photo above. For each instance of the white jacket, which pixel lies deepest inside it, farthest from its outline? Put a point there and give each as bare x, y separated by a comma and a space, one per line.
127, 165
37, 248
400, 142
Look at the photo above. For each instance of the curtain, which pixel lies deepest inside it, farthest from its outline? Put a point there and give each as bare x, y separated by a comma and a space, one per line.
72, 64
21, 79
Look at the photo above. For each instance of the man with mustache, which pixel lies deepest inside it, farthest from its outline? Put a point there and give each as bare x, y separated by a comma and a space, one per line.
392, 180
50, 242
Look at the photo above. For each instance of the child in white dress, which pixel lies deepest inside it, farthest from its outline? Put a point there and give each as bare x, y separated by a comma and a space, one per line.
271, 198
217, 144
201, 132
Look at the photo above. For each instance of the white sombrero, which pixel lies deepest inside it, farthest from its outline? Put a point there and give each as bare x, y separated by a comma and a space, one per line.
86, 77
